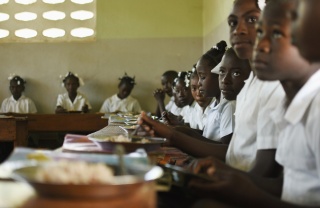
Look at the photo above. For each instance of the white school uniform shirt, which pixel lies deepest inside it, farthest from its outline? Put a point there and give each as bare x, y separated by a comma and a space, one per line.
22, 105
65, 102
220, 121
189, 114
194, 116
170, 104
175, 110
114, 103
204, 115
255, 102
299, 146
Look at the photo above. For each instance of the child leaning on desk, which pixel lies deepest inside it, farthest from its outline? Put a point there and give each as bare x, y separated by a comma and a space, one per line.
17, 102
72, 100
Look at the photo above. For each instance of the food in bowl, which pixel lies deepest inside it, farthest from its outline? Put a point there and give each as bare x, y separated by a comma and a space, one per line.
74, 172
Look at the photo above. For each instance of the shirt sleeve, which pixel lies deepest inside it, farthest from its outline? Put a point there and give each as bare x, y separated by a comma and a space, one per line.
60, 101
266, 128
227, 119
105, 107
3, 110
32, 107
88, 103
136, 107
313, 131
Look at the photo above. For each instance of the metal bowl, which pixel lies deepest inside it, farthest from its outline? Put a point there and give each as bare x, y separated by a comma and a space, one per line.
120, 187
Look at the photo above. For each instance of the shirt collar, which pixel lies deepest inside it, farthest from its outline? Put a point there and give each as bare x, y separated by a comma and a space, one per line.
302, 100
12, 98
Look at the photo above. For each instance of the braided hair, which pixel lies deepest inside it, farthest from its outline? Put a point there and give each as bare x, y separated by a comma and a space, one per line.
18, 80
71, 75
215, 54
125, 79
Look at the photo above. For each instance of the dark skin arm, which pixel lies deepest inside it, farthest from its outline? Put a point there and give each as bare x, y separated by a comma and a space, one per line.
226, 139
197, 147
60, 109
266, 165
85, 109
238, 190
159, 95
211, 165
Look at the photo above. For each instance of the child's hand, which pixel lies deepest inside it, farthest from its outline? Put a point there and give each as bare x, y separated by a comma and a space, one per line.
85, 108
60, 109
154, 127
159, 94
171, 119
208, 166
228, 185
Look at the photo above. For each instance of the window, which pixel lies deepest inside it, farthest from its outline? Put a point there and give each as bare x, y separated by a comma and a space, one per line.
47, 20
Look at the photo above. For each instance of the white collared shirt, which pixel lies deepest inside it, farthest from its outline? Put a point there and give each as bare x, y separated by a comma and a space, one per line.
114, 104
170, 104
175, 110
65, 102
255, 102
220, 121
22, 105
299, 146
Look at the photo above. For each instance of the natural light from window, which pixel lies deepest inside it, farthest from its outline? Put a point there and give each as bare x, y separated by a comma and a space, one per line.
47, 20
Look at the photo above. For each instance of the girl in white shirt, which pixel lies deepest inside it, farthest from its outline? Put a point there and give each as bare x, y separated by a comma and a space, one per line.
17, 103
72, 100
122, 101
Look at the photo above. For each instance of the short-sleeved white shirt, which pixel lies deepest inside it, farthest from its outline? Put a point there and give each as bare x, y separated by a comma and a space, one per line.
255, 102
65, 102
220, 121
175, 110
114, 103
22, 105
193, 117
170, 104
299, 146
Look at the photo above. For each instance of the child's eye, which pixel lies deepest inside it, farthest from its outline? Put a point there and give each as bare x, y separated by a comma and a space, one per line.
236, 74
276, 34
221, 72
252, 19
232, 23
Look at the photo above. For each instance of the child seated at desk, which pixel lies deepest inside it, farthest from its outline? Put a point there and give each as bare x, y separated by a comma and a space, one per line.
159, 94
72, 100
122, 101
183, 99
197, 117
17, 103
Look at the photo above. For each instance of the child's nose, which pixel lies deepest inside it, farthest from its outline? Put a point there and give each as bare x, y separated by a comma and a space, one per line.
240, 29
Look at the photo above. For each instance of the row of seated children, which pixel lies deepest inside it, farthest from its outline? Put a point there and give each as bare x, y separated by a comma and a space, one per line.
208, 111
273, 159
72, 100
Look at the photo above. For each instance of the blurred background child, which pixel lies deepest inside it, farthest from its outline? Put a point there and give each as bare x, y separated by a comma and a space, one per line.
17, 103
122, 101
183, 99
72, 100
159, 94
197, 117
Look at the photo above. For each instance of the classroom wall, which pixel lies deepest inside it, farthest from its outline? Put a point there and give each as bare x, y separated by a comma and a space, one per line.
215, 26
141, 37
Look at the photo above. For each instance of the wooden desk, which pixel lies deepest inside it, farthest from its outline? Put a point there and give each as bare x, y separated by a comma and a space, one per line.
65, 122
14, 130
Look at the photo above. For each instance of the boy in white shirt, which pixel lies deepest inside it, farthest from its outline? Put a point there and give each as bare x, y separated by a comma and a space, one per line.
167, 80
17, 103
